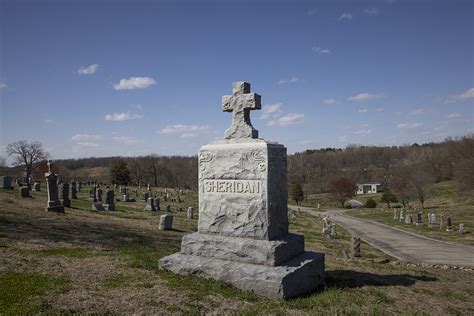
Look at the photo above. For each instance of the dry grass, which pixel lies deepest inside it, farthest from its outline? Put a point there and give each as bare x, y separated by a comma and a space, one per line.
86, 262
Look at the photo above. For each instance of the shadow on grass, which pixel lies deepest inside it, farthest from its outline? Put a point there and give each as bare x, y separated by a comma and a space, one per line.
356, 279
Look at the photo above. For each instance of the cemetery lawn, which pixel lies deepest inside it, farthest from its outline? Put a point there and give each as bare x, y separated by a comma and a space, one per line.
442, 198
106, 263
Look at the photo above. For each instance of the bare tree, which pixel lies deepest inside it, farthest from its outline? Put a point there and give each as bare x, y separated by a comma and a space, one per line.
137, 172
27, 155
342, 189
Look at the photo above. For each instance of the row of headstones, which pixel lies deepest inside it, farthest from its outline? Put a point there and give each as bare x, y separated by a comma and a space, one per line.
408, 219
166, 196
95, 195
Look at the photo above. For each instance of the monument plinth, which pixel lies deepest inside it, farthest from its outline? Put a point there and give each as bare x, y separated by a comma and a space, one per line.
243, 233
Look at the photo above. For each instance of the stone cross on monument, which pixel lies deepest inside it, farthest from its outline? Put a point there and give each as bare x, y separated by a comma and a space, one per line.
240, 103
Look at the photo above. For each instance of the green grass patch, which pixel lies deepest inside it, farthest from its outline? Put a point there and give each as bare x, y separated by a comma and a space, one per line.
79, 252
19, 292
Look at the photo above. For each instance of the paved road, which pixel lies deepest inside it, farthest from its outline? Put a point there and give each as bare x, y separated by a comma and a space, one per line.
405, 246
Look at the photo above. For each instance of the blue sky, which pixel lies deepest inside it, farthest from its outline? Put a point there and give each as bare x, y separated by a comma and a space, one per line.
100, 78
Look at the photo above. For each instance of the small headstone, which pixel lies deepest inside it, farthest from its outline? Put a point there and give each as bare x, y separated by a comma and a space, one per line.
461, 228
157, 204
109, 200
98, 207
166, 222
395, 215
146, 195
125, 198
333, 231
168, 208
79, 186
408, 219
54, 205
37, 186
64, 195
190, 214
6, 182
150, 205
99, 194
93, 194
433, 219
449, 224
148, 188
401, 215
24, 192
441, 221
73, 191
419, 219
355, 247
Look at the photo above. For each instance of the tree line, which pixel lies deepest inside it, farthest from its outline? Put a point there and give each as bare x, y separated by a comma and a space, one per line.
407, 171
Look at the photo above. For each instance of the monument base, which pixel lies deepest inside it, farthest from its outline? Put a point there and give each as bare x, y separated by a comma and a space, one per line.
57, 209
297, 276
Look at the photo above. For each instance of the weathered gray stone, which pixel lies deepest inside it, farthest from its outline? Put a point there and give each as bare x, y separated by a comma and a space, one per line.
54, 205
266, 252
37, 186
146, 195
98, 207
125, 198
6, 182
298, 276
150, 204
242, 188
243, 234
166, 222
64, 194
24, 192
157, 204
353, 204
73, 191
240, 103
99, 194
109, 200
190, 213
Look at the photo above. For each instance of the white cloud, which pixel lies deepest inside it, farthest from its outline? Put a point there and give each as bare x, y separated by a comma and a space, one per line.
371, 11
289, 119
379, 109
365, 96
469, 94
3, 85
417, 112
409, 125
329, 101
345, 16
127, 140
342, 139
185, 131
312, 11
363, 132
364, 125
321, 51
137, 106
85, 137
291, 80
122, 116
88, 144
363, 110
47, 121
134, 83
271, 110
88, 70
453, 115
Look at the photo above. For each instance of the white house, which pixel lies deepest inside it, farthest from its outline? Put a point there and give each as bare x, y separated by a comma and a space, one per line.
369, 188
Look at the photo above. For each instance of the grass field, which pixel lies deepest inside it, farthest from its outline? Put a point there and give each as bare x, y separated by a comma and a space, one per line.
106, 263
442, 199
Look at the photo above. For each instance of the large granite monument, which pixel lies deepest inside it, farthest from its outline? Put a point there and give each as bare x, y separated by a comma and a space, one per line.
243, 233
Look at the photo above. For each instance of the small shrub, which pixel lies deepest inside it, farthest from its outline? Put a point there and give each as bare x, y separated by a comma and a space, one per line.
371, 203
